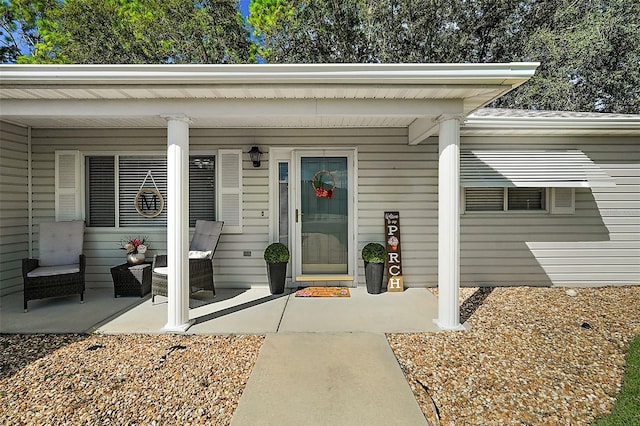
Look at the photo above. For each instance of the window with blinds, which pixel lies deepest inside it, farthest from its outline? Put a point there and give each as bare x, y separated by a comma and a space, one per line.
484, 199
487, 199
202, 194
133, 175
103, 177
526, 199
101, 191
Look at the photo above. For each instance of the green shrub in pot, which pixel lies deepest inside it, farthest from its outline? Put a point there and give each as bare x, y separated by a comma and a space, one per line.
374, 253
277, 256
276, 253
374, 256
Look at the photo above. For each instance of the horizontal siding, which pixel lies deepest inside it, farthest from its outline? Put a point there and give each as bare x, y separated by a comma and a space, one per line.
14, 205
505, 249
396, 177
598, 245
384, 185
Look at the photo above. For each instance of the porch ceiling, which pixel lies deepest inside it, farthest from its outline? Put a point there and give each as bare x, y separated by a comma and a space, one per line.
255, 96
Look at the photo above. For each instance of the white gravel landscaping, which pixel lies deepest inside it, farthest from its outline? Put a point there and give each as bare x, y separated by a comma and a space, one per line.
533, 356
124, 379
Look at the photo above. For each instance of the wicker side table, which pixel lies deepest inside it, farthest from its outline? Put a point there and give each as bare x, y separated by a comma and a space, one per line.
131, 280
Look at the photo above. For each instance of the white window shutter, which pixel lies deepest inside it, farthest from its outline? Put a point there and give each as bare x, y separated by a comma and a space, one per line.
68, 201
229, 166
563, 201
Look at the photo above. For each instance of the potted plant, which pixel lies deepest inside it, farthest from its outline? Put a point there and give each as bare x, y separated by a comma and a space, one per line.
135, 248
277, 256
374, 256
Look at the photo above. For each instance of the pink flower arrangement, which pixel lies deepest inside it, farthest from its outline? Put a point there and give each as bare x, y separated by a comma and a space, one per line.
134, 245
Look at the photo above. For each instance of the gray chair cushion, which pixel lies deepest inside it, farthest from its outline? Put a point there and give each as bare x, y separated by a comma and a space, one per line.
206, 235
49, 271
60, 242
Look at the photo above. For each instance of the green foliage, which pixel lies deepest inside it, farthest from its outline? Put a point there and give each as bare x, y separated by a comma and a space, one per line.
24, 25
276, 253
590, 59
374, 253
144, 32
589, 49
626, 411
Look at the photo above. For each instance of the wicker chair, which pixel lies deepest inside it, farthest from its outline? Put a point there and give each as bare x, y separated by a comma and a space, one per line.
59, 270
201, 250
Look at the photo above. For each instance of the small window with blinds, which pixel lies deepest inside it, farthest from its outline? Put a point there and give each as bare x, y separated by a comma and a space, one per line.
132, 176
484, 199
526, 199
505, 199
103, 177
202, 189
101, 191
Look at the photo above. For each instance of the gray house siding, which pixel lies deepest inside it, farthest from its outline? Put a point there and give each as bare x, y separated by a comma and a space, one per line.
598, 245
14, 205
392, 176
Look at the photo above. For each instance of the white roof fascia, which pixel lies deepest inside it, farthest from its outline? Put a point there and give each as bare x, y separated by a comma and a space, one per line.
510, 74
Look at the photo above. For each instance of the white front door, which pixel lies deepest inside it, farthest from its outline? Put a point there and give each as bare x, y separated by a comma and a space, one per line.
323, 216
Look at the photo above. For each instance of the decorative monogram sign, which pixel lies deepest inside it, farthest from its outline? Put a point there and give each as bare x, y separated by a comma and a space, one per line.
149, 202
394, 259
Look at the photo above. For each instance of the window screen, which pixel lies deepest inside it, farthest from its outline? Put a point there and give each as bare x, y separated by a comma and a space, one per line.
526, 199
202, 195
102, 181
132, 173
101, 191
484, 199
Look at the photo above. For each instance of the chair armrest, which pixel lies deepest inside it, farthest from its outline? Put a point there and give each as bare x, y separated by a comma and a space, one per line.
29, 265
83, 263
159, 260
200, 265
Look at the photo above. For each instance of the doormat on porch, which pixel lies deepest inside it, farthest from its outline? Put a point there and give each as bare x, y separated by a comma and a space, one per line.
323, 292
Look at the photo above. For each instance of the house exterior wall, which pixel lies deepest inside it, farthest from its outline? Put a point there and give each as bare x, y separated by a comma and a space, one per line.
597, 245
14, 205
392, 176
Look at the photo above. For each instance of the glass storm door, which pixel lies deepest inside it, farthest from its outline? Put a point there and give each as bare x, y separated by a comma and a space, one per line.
323, 217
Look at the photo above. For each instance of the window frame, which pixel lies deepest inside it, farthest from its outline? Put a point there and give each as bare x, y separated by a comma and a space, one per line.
116, 155
505, 202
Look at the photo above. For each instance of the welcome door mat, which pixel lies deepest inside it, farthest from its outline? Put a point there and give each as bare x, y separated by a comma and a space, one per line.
323, 292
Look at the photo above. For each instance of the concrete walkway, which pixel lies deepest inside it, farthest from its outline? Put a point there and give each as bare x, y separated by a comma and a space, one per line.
327, 379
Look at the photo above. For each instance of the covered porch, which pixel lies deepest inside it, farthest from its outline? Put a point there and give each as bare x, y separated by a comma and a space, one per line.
422, 100
233, 311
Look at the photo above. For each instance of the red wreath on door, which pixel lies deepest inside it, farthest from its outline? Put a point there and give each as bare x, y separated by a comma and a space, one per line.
319, 185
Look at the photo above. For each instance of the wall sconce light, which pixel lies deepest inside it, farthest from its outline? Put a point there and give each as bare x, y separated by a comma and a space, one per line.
255, 154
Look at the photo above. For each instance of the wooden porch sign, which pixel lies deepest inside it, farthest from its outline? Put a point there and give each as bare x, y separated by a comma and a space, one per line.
394, 259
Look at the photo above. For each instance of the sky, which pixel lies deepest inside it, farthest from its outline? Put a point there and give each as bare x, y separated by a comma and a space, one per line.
244, 7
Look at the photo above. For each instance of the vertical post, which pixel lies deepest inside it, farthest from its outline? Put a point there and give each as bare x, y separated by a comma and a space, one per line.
449, 224
177, 223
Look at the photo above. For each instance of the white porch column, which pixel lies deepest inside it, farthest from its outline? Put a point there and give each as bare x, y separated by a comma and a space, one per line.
177, 223
449, 224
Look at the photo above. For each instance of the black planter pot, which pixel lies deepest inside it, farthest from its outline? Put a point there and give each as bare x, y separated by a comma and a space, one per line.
277, 274
373, 273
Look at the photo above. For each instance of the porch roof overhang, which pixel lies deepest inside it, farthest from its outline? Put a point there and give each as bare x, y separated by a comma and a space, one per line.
412, 96
514, 122
537, 169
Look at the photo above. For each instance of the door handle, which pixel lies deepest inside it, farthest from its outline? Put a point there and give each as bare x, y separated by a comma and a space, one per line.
298, 214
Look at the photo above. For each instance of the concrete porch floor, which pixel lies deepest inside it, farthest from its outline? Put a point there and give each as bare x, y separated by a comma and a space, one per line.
232, 311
